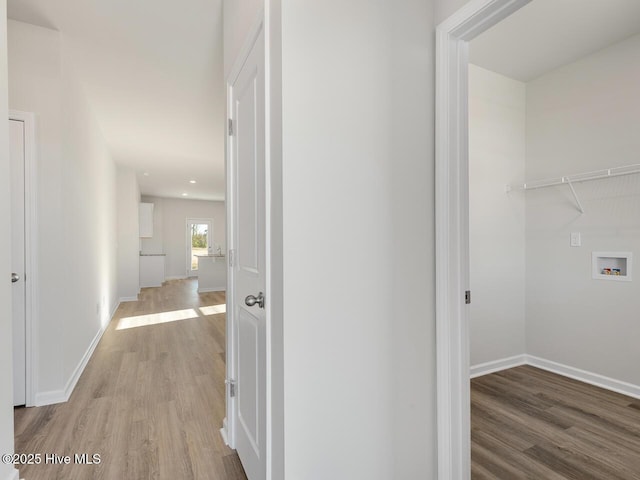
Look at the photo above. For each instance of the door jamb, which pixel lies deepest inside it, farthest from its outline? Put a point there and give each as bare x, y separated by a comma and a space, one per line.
31, 249
452, 228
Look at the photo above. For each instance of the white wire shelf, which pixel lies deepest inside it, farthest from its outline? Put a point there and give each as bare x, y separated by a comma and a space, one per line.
577, 178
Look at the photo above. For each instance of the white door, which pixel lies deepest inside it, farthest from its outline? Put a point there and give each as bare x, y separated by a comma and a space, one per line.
16, 151
247, 144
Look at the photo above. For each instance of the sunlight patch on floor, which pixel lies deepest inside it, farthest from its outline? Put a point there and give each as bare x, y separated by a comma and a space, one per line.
156, 318
213, 309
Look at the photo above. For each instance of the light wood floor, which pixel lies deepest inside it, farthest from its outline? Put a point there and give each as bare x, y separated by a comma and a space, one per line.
527, 423
150, 402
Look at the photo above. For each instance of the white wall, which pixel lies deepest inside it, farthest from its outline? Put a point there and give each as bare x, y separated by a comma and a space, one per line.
275, 231
128, 198
583, 117
497, 110
35, 83
338, 353
89, 209
238, 19
412, 252
6, 369
445, 8
351, 169
170, 229
76, 205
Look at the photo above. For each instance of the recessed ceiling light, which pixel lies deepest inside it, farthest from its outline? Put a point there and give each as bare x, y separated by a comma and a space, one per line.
185, 194
192, 181
146, 174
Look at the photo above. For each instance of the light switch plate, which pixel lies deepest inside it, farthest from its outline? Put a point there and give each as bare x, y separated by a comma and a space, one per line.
576, 240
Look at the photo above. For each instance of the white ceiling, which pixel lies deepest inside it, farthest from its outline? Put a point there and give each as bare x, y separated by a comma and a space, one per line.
546, 34
153, 74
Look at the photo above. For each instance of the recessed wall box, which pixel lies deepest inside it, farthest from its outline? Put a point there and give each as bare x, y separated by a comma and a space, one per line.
614, 266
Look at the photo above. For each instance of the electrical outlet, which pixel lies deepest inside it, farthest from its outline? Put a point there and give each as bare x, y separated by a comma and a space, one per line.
576, 240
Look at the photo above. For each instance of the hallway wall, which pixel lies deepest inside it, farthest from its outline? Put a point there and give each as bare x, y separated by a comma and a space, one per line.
358, 161
76, 208
128, 198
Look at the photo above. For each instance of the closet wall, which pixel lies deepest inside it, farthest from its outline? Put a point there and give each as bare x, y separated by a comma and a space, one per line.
496, 220
581, 117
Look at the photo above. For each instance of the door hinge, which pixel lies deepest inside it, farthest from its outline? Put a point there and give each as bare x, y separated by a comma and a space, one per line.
232, 254
230, 127
232, 387
467, 297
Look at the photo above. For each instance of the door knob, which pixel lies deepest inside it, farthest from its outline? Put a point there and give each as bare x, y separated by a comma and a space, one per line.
14, 277
251, 300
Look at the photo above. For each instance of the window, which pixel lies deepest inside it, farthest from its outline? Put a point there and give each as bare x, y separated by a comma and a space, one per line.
198, 242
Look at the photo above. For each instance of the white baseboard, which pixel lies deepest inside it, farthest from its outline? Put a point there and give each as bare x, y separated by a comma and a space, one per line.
49, 398
126, 299
60, 396
212, 289
587, 377
113, 310
71, 384
497, 365
13, 475
223, 432
596, 379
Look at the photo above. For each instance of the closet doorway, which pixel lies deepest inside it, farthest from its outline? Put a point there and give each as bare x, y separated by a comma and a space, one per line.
572, 226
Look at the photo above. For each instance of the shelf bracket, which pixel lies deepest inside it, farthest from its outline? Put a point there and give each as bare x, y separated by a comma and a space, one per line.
573, 191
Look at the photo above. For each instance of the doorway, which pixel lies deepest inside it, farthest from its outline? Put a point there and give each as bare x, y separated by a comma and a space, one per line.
452, 229
453, 213
199, 242
23, 266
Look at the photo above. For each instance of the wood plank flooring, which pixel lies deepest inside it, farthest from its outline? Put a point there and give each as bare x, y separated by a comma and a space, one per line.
150, 402
528, 423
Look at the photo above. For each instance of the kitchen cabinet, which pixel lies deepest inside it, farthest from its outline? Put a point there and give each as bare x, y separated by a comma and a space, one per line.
145, 213
151, 270
212, 273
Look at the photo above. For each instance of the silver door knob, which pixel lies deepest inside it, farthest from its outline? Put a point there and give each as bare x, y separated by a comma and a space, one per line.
14, 277
251, 300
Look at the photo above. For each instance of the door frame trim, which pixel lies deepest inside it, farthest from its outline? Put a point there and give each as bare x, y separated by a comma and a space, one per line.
452, 228
31, 251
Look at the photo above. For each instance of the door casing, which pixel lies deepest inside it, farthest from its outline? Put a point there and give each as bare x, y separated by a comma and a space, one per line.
452, 228
31, 249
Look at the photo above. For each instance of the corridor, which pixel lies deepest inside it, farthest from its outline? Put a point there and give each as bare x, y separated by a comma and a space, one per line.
150, 402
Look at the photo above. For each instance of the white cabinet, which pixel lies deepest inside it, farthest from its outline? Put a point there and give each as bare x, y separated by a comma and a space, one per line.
151, 270
212, 273
145, 213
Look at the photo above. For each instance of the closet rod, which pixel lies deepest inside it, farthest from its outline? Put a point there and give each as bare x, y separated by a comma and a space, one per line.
579, 177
